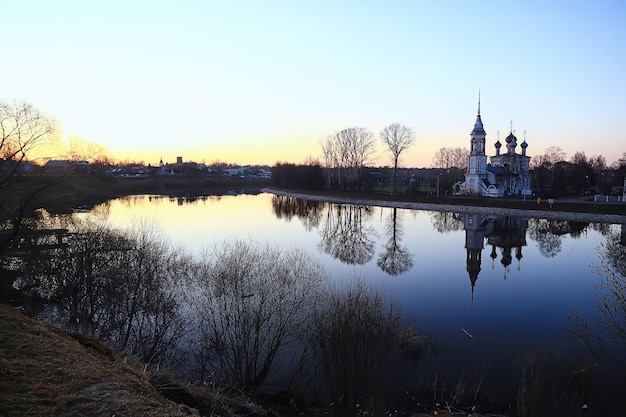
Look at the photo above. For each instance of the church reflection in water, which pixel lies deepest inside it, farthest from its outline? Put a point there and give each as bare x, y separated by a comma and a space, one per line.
506, 235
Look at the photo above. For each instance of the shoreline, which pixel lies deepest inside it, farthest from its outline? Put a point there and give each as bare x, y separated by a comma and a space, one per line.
459, 208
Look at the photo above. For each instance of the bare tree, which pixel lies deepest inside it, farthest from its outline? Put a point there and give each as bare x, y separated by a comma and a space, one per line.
354, 335
579, 158
620, 164
118, 286
398, 138
23, 129
597, 162
446, 158
346, 153
254, 305
552, 156
81, 149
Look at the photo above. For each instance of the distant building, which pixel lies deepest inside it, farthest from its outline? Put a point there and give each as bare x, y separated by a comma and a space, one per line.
66, 166
57, 165
181, 167
506, 174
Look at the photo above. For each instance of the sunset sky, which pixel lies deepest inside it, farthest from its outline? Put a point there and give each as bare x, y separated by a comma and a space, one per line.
256, 82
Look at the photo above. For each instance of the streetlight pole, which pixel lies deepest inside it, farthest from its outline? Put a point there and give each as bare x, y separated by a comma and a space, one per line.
603, 188
438, 177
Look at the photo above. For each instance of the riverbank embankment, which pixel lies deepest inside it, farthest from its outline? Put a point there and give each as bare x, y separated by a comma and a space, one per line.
579, 211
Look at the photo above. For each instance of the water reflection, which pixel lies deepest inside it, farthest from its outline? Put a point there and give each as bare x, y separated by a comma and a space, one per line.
504, 234
347, 234
308, 211
446, 221
605, 335
140, 308
396, 259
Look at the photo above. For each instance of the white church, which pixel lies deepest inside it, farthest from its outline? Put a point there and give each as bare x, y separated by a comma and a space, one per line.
506, 174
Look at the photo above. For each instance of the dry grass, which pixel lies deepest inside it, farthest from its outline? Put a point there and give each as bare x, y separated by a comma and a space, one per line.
45, 371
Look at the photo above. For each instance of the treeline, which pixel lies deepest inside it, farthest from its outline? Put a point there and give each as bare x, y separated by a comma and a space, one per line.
410, 181
305, 177
551, 175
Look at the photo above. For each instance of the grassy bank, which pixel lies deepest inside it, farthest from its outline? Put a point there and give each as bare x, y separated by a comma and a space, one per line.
46, 371
63, 193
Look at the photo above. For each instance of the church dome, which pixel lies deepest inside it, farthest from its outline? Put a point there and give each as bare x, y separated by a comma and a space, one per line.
498, 145
524, 144
511, 138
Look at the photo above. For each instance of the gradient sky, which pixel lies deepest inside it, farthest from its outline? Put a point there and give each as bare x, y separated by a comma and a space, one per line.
256, 82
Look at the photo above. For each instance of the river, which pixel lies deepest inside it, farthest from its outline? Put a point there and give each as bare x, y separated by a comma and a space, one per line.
488, 291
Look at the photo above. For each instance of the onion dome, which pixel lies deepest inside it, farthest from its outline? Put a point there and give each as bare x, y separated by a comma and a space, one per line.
498, 145
511, 138
524, 145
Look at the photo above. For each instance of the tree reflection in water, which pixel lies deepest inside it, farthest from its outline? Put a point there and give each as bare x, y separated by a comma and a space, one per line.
117, 286
543, 231
308, 211
128, 288
347, 236
446, 221
396, 259
604, 335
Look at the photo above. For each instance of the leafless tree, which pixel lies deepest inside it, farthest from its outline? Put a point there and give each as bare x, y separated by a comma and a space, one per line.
597, 162
346, 153
579, 158
552, 156
353, 336
23, 129
620, 163
254, 305
81, 149
446, 158
397, 138
118, 286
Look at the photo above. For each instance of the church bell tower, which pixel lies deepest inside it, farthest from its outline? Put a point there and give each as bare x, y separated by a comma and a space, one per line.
477, 160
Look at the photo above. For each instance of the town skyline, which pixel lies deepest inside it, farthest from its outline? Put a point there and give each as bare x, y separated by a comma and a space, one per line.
264, 83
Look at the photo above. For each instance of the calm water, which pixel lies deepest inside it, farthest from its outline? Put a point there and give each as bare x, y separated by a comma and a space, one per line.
487, 290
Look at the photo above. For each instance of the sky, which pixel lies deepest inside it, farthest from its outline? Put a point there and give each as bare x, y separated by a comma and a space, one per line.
260, 82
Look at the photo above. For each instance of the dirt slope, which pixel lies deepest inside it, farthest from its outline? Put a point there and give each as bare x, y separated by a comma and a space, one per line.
45, 371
